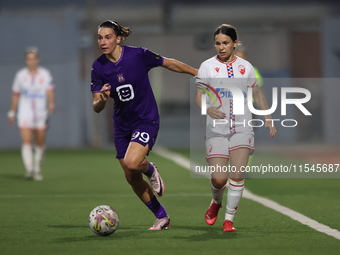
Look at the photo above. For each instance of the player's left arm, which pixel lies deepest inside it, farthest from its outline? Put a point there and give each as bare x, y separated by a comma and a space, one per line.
50, 97
177, 66
261, 103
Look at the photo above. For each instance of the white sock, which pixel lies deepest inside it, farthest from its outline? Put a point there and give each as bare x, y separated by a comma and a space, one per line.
233, 199
27, 154
38, 158
217, 193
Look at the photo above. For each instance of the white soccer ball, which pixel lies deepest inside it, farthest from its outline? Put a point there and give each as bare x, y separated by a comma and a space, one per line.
103, 220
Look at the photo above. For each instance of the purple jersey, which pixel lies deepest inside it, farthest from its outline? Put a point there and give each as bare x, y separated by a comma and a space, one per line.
130, 86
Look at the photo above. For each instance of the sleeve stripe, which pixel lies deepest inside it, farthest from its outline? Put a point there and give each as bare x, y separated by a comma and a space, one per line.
255, 83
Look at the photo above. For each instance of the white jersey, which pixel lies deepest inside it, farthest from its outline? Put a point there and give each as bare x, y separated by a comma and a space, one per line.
215, 74
33, 93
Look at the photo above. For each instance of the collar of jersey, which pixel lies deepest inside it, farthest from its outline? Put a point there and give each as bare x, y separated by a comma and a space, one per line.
226, 62
120, 59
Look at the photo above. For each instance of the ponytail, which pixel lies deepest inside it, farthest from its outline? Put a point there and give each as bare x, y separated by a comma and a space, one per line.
119, 30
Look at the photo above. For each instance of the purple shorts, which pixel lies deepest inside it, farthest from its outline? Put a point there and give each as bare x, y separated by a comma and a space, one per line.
144, 133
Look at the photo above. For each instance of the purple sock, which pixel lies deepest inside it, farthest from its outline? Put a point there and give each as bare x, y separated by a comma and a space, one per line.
150, 170
157, 208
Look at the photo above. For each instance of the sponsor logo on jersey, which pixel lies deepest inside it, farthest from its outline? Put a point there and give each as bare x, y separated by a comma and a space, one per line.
125, 92
224, 93
121, 77
217, 69
33, 94
241, 69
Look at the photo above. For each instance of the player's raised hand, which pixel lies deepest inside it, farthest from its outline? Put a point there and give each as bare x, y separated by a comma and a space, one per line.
215, 113
105, 92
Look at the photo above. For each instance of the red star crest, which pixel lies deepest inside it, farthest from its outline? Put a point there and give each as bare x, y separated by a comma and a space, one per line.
242, 69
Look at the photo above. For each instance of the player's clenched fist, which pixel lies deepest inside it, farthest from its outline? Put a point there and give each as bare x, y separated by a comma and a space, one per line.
105, 92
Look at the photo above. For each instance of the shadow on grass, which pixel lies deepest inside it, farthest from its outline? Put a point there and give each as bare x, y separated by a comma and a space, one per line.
203, 233
93, 237
68, 226
19, 177
186, 233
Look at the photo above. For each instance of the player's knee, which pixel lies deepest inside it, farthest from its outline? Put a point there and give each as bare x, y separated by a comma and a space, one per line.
219, 183
131, 164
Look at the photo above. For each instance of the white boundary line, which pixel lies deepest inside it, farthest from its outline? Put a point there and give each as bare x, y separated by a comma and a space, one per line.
184, 162
98, 195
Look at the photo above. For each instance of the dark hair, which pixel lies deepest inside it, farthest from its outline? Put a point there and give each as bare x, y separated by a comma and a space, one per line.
228, 30
32, 49
119, 30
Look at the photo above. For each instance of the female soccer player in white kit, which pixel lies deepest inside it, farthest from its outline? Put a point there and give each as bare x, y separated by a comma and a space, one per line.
235, 140
31, 88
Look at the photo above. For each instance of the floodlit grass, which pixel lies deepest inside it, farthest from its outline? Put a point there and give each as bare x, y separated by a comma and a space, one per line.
51, 217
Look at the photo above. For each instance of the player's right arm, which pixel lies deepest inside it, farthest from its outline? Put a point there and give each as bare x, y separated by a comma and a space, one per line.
198, 95
14, 106
16, 88
100, 98
212, 111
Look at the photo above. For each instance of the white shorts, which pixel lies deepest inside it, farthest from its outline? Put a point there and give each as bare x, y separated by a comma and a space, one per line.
31, 123
220, 147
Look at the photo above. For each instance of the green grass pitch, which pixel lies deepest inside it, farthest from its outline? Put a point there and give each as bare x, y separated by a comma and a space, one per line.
51, 217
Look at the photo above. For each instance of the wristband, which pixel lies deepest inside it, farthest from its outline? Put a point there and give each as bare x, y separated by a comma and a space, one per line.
11, 114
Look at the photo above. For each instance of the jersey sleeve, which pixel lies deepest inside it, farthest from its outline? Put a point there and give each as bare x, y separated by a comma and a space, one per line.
252, 81
151, 59
202, 77
16, 88
96, 81
50, 84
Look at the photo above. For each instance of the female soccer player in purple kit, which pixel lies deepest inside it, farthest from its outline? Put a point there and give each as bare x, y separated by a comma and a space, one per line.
121, 73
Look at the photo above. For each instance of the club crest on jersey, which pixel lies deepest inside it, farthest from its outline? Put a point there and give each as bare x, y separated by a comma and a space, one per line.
121, 77
242, 69
217, 69
156, 56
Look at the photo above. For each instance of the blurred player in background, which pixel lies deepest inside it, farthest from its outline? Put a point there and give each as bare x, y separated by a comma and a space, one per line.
242, 53
229, 141
33, 95
121, 73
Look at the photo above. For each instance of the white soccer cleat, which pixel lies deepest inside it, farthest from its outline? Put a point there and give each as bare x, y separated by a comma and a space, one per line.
156, 182
161, 224
37, 177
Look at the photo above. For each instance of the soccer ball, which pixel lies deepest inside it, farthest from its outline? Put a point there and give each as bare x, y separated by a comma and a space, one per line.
103, 220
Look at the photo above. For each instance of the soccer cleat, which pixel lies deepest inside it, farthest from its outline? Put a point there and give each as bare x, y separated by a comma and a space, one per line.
37, 177
163, 223
156, 182
228, 226
29, 175
212, 212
